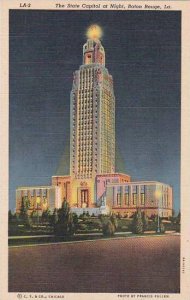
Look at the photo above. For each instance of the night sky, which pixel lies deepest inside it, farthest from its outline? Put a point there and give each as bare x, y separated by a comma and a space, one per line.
142, 54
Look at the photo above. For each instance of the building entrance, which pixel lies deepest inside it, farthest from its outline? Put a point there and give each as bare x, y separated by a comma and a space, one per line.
84, 196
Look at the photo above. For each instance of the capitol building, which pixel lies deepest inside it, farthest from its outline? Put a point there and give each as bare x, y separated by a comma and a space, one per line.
93, 185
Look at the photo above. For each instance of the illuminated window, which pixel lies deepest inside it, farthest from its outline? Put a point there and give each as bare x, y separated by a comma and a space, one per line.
134, 198
142, 198
119, 199
126, 199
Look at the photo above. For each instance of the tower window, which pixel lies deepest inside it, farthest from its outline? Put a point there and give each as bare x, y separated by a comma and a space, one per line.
118, 199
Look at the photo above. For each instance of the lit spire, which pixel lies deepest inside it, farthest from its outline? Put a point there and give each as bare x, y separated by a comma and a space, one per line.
94, 32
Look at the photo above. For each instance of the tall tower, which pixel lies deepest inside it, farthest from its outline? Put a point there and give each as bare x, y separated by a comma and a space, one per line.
92, 108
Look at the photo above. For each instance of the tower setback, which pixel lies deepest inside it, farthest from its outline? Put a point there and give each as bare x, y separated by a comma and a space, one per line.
92, 140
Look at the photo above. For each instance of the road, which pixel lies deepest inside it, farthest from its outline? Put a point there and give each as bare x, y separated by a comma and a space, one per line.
128, 265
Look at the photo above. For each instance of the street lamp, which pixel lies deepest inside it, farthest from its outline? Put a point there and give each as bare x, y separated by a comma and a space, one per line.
158, 194
38, 202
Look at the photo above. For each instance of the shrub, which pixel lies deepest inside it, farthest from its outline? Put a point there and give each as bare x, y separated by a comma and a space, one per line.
119, 215
75, 219
108, 229
172, 219
178, 218
101, 218
82, 227
178, 229
83, 216
152, 217
162, 228
46, 215
132, 215
109, 225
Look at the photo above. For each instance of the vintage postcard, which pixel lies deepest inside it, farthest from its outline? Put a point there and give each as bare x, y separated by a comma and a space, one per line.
95, 157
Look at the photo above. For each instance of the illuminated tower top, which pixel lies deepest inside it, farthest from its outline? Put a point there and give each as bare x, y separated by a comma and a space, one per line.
93, 51
94, 32
92, 141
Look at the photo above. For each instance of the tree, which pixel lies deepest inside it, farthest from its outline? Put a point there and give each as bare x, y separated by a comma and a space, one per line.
46, 215
64, 224
23, 210
10, 216
137, 223
23, 215
113, 219
178, 218
173, 212
54, 218
178, 222
33, 214
145, 221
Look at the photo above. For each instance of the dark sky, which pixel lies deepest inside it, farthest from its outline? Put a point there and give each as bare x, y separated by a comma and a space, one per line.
143, 56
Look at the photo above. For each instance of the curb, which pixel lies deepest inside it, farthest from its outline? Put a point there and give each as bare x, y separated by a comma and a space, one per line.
103, 239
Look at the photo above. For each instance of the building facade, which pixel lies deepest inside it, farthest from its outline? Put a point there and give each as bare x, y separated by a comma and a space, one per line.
152, 197
38, 198
92, 184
